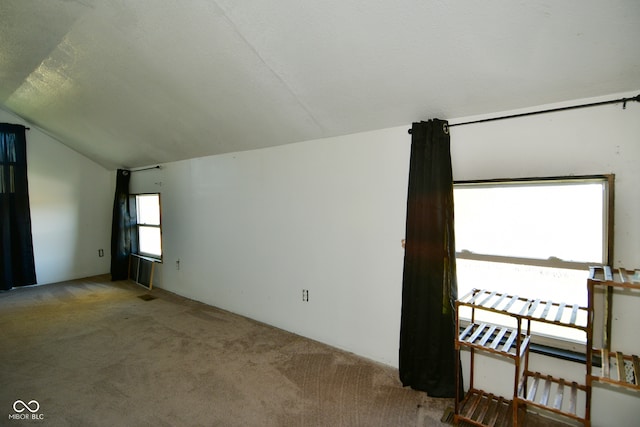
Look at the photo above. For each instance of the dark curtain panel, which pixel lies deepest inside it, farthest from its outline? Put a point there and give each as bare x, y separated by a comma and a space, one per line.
17, 264
429, 289
121, 227
133, 223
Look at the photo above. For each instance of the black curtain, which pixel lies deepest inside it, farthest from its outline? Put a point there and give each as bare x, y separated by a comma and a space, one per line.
17, 265
122, 227
429, 290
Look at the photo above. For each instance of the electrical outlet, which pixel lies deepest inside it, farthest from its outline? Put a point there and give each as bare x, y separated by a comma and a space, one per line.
305, 295
100, 253
178, 264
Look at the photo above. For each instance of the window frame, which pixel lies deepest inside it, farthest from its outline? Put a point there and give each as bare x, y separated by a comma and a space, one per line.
138, 225
552, 341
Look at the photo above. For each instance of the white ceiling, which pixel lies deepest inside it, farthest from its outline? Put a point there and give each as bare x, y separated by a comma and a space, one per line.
132, 83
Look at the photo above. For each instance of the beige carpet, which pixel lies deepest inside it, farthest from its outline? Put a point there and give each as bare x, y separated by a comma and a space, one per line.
92, 353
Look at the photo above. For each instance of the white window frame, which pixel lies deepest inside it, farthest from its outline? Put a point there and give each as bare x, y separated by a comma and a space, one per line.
139, 225
608, 222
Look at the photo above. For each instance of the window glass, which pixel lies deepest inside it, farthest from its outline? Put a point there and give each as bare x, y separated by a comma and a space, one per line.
148, 224
538, 221
150, 240
148, 209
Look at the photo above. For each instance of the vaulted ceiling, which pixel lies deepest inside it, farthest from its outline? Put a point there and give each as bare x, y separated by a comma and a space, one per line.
132, 83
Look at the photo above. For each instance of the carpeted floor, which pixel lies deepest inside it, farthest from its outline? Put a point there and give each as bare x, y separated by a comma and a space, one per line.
92, 353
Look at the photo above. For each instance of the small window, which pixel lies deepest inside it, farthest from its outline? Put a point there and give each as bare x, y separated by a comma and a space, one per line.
149, 225
533, 238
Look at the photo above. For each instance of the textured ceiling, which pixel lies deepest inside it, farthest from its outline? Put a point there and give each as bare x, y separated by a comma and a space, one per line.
133, 83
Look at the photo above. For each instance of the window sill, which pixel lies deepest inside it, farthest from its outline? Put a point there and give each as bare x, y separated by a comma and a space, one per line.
148, 258
558, 353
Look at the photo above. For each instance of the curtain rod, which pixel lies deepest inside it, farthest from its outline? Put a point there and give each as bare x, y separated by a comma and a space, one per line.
145, 169
552, 110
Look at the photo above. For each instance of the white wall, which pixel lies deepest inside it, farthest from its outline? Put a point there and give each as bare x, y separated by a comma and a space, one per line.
70, 198
252, 229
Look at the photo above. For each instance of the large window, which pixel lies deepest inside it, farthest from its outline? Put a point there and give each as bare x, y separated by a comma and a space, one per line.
149, 225
534, 238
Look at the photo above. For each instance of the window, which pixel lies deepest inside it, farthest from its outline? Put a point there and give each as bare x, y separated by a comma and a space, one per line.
149, 225
534, 238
